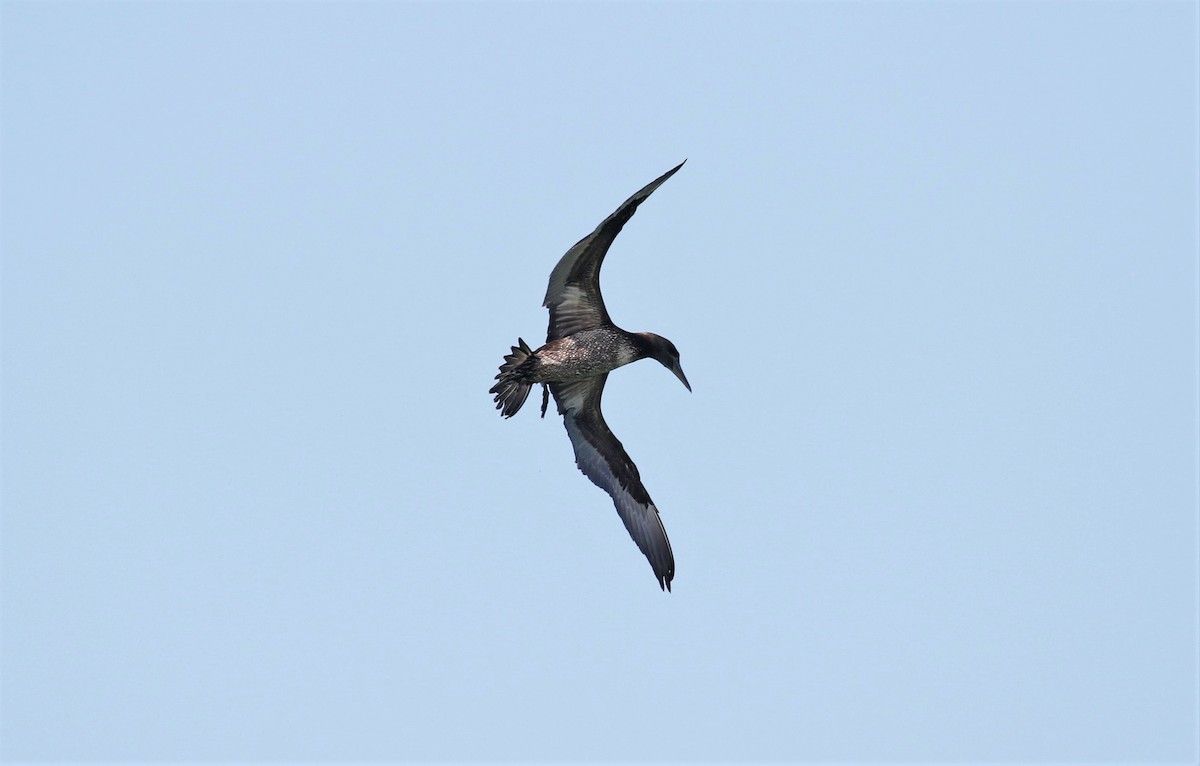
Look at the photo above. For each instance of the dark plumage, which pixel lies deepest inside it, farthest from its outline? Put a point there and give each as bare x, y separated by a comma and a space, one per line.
582, 347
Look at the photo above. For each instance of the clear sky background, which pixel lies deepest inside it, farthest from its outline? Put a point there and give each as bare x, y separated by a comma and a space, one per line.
932, 270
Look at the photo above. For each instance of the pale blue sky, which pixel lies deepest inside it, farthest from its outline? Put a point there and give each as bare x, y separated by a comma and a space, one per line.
932, 270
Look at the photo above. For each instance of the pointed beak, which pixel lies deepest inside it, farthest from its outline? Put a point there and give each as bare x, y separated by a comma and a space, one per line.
678, 370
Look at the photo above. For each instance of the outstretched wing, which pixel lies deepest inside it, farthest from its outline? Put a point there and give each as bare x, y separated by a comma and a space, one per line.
573, 295
602, 459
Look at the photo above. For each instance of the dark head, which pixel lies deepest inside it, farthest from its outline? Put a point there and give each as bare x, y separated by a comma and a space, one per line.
658, 347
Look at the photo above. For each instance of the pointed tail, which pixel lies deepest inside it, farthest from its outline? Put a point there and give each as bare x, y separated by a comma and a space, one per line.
513, 387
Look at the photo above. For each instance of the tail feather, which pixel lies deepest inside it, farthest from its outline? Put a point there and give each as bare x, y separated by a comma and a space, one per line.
513, 387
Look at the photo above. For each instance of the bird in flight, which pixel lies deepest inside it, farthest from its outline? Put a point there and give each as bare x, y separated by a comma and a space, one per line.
582, 347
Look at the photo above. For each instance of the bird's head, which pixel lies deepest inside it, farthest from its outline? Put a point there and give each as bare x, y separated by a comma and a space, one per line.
658, 347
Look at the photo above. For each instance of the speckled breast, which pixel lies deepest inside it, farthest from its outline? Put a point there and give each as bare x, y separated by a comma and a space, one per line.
583, 355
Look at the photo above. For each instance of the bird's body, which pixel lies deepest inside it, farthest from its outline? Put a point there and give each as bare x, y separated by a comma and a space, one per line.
582, 347
584, 354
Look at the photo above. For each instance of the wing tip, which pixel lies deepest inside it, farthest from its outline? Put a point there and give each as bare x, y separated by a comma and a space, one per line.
659, 181
665, 576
